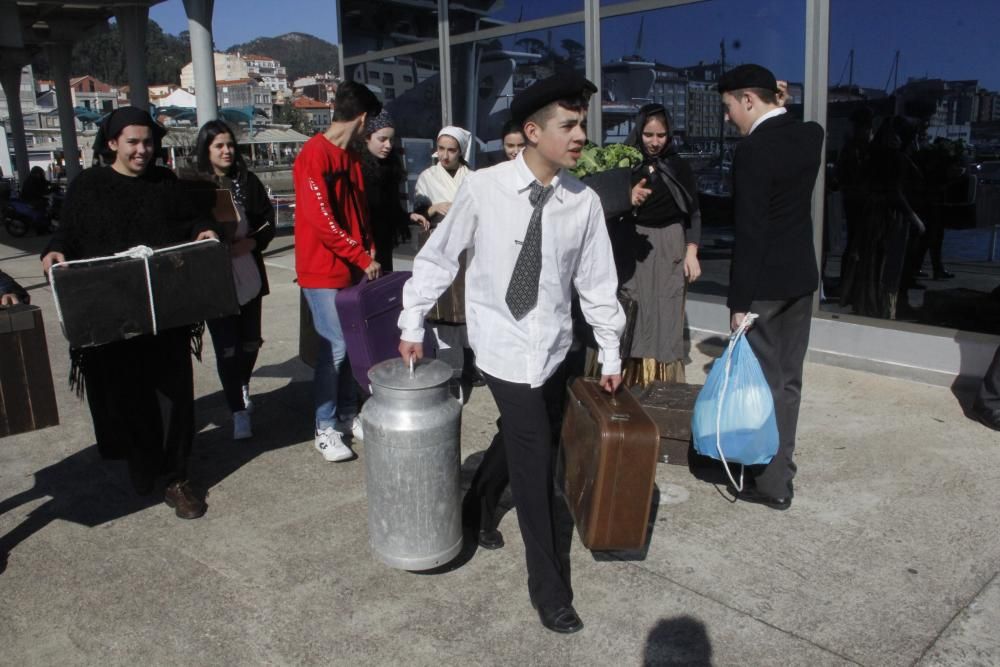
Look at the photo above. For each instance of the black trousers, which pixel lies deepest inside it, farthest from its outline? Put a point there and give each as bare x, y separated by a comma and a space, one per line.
236, 339
779, 337
141, 397
988, 397
523, 454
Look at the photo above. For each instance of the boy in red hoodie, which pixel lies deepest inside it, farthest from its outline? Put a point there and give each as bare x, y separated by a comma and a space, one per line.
333, 249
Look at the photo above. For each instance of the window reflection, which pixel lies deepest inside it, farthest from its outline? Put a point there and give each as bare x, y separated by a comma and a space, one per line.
374, 26
470, 15
912, 195
502, 68
675, 56
410, 88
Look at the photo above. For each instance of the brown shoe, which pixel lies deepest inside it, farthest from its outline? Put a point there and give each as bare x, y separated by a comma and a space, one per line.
186, 504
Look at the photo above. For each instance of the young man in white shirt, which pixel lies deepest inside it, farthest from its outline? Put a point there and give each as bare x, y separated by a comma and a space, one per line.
533, 233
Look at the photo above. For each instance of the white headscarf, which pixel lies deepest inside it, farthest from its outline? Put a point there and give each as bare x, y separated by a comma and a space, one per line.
462, 136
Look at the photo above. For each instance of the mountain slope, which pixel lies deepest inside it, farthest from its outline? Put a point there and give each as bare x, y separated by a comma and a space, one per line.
299, 53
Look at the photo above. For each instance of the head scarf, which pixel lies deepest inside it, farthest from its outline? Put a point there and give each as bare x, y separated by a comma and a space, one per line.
635, 136
119, 119
463, 137
379, 122
116, 121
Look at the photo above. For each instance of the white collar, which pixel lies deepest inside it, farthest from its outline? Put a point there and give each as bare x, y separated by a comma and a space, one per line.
525, 177
773, 113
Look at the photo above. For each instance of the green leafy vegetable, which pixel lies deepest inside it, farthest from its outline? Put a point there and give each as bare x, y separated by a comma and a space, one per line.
595, 159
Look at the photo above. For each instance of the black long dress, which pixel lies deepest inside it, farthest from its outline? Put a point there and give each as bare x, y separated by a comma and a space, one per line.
140, 391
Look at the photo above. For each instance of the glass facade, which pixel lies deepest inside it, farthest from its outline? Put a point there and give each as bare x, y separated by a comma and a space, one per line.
835, 54
913, 197
472, 15
368, 26
503, 67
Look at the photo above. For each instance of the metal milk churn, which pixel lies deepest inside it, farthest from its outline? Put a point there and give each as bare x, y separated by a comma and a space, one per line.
412, 428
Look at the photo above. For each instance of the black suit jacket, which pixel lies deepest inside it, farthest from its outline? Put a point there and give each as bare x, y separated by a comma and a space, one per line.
774, 171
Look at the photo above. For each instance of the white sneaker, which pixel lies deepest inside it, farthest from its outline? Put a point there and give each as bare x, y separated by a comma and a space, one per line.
352, 426
331, 445
241, 425
247, 403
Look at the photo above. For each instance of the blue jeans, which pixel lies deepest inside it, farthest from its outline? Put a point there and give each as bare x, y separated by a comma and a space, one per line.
333, 384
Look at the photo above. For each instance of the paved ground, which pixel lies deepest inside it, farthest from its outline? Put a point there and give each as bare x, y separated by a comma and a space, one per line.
889, 555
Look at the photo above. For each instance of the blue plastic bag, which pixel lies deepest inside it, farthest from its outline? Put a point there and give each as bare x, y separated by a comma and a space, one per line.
733, 417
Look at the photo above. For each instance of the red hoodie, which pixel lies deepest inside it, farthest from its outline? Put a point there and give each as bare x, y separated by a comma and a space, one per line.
332, 235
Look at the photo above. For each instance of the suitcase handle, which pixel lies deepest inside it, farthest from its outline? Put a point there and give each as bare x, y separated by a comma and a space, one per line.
616, 416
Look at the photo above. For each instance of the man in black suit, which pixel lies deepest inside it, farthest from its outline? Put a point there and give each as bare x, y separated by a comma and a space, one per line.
774, 270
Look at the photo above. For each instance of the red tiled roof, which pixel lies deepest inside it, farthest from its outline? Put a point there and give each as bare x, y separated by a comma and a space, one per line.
306, 102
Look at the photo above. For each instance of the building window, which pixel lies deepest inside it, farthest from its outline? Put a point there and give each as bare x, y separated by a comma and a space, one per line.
387, 79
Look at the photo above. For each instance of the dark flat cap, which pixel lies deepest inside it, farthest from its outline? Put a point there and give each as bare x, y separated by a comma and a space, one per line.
546, 91
747, 76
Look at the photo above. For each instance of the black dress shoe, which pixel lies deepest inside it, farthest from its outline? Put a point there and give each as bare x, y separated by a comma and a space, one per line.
560, 619
987, 417
758, 498
491, 539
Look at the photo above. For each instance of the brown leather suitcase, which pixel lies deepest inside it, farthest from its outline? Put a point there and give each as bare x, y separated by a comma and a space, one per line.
671, 406
608, 460
450, 307
27, 397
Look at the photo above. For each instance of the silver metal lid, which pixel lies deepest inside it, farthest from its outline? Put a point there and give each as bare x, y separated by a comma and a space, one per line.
395, 374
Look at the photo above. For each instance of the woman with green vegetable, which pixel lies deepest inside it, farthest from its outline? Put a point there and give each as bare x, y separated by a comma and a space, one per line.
658, 256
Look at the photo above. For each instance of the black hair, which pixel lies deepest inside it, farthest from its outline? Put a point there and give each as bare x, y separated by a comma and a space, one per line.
765, 95
352, 100
510, 127
206, 135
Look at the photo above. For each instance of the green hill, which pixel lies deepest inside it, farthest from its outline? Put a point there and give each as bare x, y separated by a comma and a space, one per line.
299, 53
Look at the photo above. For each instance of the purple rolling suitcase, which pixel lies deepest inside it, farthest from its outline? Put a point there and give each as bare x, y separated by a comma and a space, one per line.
368, 314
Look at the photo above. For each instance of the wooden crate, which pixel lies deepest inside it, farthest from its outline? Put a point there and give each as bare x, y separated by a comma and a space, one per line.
27, 396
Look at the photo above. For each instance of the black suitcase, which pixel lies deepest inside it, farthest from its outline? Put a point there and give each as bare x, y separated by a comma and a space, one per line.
104, 300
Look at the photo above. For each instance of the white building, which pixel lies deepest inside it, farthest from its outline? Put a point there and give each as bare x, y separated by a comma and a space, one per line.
268, 70
228, 67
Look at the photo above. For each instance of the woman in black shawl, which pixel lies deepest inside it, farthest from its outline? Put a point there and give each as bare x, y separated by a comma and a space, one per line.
384, 174
657, 250
140, 390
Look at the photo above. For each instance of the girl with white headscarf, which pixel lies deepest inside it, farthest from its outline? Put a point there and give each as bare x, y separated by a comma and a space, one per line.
436, 189
438, 184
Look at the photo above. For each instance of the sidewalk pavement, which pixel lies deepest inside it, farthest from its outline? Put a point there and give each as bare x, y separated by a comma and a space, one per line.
888, 556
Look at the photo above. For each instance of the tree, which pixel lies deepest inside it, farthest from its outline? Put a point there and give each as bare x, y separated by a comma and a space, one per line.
287, 114
103, 56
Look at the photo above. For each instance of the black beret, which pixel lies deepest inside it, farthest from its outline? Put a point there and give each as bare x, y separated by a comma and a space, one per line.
747, 76
546, 91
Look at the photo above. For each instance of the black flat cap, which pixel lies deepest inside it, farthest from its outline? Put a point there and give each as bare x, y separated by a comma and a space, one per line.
546, 91
747, 76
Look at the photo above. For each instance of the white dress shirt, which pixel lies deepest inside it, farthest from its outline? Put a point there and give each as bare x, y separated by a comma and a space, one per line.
489, 217
770, 114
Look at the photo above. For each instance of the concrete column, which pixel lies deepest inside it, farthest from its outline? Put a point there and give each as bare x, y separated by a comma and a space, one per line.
199, 13
133, 19
10, 79
59, 57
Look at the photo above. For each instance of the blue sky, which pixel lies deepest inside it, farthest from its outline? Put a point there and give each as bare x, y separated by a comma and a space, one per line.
951, 39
